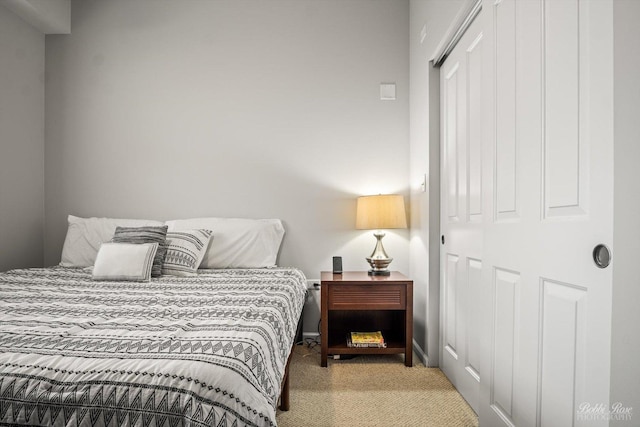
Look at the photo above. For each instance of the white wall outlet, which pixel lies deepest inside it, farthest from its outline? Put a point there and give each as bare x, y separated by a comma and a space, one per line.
311, 284
311, 335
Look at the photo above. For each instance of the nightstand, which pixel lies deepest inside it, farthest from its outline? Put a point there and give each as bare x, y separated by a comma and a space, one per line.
356, 302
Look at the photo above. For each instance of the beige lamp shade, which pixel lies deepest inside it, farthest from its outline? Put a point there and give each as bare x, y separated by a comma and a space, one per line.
380, 212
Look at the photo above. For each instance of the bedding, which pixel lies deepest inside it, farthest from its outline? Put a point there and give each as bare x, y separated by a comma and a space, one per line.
207, 350
145, 235
85, 235
125, 261
237, 242
185, 250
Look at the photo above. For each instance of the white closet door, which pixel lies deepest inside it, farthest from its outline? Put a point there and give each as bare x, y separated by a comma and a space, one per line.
548, 197
462, 213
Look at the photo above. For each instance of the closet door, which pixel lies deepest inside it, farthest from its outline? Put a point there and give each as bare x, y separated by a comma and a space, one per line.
462, 213
548, 197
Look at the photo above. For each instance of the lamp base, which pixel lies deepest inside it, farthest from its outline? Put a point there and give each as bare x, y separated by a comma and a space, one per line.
379, 273
379, 260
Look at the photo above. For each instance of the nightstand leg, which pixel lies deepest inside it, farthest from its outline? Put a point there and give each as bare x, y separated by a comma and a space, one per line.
408, 357
324, 326
408, 319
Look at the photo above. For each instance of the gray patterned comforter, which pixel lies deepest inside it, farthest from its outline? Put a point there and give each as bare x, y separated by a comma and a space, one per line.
204, 351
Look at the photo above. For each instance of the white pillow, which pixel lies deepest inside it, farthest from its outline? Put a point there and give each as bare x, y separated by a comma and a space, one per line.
125, 261
185, 250
237, 242
85, 235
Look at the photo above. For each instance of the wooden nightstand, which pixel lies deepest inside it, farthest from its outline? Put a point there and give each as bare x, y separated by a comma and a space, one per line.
354, 301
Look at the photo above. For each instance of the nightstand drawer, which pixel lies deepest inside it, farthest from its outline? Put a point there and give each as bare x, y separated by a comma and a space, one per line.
367, 297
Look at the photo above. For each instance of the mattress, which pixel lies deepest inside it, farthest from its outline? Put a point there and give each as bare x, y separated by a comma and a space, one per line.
199, 351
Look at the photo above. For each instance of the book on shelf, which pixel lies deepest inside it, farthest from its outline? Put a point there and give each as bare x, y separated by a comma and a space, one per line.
366, 340
367, 337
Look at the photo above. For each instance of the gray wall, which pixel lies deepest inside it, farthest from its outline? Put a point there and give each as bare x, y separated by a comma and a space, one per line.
625, 343
167, 109
21, 143
438, 15
46, 16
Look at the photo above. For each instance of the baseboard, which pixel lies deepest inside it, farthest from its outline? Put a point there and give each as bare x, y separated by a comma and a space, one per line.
420, 353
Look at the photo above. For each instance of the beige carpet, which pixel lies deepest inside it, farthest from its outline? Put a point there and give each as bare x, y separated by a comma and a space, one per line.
371, 391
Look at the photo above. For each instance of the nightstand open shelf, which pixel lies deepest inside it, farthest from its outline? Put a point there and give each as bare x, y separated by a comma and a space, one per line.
356, 302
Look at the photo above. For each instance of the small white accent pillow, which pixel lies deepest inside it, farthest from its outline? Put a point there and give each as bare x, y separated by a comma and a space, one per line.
125, 261
237, 242
85, 235
185, 250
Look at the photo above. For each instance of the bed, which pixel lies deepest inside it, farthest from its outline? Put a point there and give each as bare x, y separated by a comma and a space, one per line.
207, 350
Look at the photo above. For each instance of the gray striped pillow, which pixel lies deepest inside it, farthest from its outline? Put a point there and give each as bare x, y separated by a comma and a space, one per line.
148, 234
185, 252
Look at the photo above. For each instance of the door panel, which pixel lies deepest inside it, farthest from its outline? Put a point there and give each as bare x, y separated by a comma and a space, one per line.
505, 329
474, 134
474, 318
562, 142
563, 344
550, 112
451, 142
461, 219
451, 305
527, 192
506, 182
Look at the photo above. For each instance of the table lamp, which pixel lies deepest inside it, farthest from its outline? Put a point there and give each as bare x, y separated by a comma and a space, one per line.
377, 213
